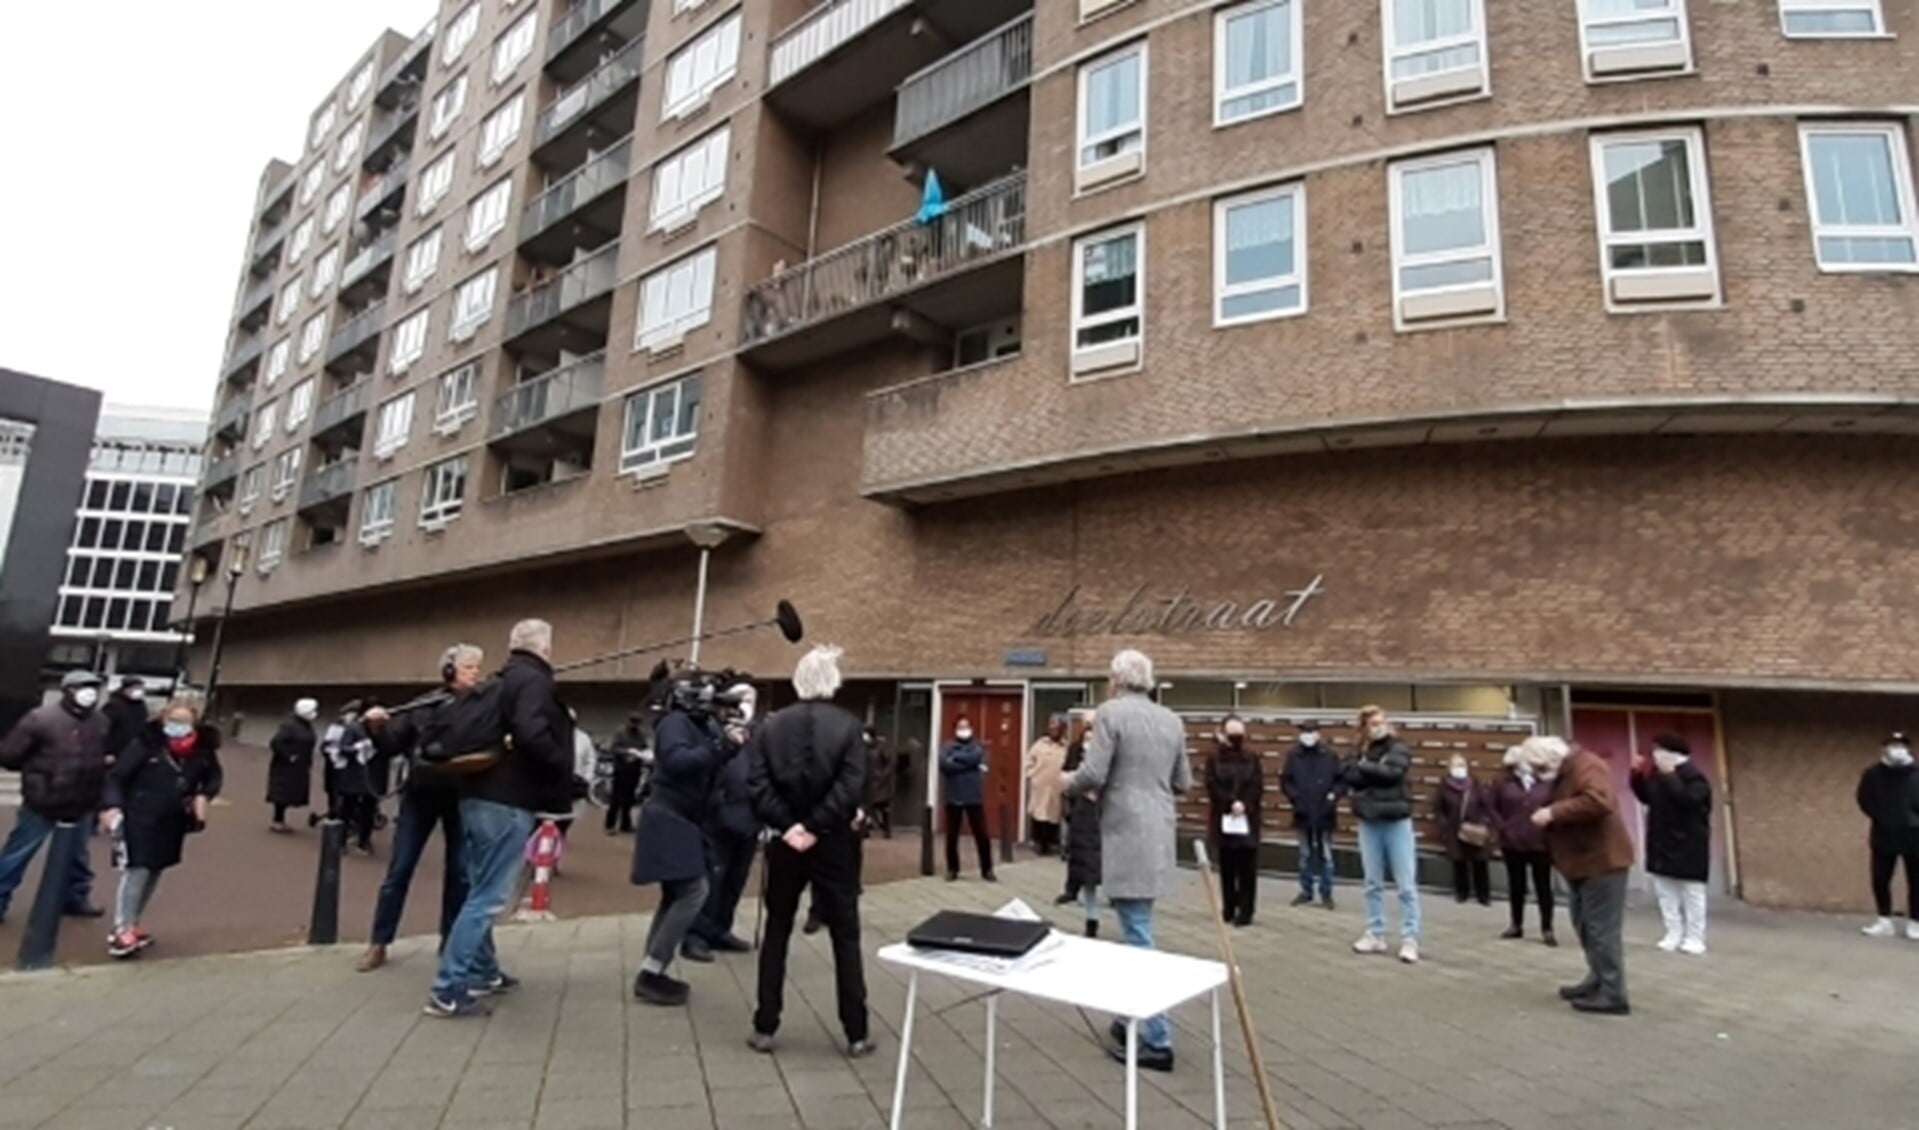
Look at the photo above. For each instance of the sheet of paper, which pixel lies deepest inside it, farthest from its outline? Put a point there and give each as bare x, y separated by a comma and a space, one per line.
1017, 911
1235, 825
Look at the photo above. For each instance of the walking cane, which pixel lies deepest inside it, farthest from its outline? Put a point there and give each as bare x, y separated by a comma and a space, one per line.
759, 907
1239, 989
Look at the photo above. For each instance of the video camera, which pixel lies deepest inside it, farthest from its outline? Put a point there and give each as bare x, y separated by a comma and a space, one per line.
704, 695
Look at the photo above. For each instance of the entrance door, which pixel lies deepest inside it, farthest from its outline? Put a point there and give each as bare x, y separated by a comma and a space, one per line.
1617, 732
998, 717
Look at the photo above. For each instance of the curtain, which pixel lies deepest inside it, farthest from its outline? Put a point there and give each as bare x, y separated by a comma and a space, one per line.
1854, 178
1421, 21
1112, 96
1258, 45
1441, 208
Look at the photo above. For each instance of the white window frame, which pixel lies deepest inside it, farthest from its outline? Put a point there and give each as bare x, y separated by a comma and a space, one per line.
322, 126
681, 7
514, 45
681, 69
1295, 196
1100, 172
351, 144
273, 546
325, 269
436, 180
500, 129
252, 483
409, 343
446, 108
460, 31
657, 293
1096, 360
422, 260
359, 85
1625, 287
1488, 202
286, 473
336, 208
652, 457
1450, 91
1635, 61
265, 419
288, 302
486, 213
302, 239
300, 403
438, 506
714, 148
1222, 21
1788, 8
376, 525
450, 415
1902, 186
312, 338
311, 181
473, 302
397, 412
278, 358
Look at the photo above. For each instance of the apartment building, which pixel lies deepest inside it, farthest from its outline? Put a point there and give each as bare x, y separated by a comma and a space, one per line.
1543, 366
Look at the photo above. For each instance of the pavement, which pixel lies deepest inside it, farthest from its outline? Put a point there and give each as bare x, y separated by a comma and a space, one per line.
1791, 1021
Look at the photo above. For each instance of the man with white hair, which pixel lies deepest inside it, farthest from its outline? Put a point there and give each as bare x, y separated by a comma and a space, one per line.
1136, 761
1592, 849
807, 774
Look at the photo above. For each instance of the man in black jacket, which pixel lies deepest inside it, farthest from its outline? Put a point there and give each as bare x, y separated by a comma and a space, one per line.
126, 714
630, 748
807, 775
1313, 782
60, 753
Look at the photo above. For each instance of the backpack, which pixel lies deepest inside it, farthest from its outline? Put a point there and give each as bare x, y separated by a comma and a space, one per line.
466, 734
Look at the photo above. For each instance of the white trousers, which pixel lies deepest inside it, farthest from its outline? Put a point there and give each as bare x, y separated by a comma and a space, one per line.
1682, 904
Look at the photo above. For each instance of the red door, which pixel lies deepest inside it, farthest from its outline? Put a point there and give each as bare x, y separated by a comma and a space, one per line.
1616, 733
998, 718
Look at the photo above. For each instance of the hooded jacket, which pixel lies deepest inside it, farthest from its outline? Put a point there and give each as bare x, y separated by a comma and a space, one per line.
61, 756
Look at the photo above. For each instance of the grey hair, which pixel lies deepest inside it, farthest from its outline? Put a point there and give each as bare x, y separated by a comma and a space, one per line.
535, 636
1542, 752
816, 677
1133, 671
461, 653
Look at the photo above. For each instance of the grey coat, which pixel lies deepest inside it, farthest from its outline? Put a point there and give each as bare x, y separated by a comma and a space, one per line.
1136, 759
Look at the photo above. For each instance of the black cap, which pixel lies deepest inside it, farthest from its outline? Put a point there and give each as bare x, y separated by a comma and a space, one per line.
1897, 737
1309, 727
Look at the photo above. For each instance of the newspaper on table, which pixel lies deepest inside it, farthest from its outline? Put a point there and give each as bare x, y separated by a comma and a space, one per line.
1017, 911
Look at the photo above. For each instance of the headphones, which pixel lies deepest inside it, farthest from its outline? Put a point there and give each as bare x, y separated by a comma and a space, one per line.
447, 671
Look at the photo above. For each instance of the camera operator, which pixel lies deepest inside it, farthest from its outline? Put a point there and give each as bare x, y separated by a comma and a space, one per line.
808, 771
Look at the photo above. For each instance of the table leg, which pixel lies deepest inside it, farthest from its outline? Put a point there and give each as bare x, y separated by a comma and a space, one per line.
1132, 1073
906, 1048
1219, 1070
992, 1052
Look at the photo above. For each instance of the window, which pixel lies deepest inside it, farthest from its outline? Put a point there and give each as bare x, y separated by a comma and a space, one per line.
676, 299
486, 215
302, 239
446, 107
394, 426
251, 483
435, 180
286, 473
1831, 18
1435, 51
349, 147
1108, 317
501, 128
1633, 38
325, 271
1655, 218
409, 341
1445, 233
1258, 256
458, 399
1256, 60
662, 425
422, 259
512, 48
695, 71
273, 545
460, 32
310, 183
336, 206
289, 302
300, 403
263, 422
1112, 122
277, 359
376, 512
690, 179
682, 6
322, 125
473, 303
312, 337
445, 490
359, 85
1860, 180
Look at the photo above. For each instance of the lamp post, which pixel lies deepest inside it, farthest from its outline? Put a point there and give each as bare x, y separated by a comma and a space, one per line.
709, 536
235, 570
196, 576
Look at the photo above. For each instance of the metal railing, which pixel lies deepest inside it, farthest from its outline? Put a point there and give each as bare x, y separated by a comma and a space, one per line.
245, 351
585, 280
341, 407
256, 296
384, 185
582, 185
278, 189
420, 43
396, 120
589, 92
366, 324
983, 224
814, 35
369, 257
222, 470
205, 533
270, 237
327, 483
232, 416
574, 23
984, 70
562, 392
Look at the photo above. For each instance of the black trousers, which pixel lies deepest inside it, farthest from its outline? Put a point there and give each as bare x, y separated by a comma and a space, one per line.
1539, 866
1883, 863
732, 864
1046, 836
356, 811
1473, 879
882, 817
1599, 916
626, 793
1238, 882
832, 869
975, 815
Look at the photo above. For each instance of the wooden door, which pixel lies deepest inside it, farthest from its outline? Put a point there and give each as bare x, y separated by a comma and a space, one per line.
1616, 733
998, 716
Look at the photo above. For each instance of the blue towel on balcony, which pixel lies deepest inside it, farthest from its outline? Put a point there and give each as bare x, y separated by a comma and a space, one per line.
933, 201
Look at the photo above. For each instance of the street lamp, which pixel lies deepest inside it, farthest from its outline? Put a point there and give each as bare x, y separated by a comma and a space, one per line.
196, 576
709, 536
235, 570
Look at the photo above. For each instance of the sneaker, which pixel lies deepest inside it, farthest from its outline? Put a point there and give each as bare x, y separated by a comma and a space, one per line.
456, 1007
860, 1049
659, 989
1693, 947
141, 938
1302, 900
1370, 944
123, 944
761, 1043
1883, 928
1409, 952
1912, 930
497, 987
1669, 943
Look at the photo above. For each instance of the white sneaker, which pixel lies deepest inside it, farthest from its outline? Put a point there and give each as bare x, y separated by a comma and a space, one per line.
1912, 930
1693, 946
1883, 928
1669, 943
1370, 943
1409, 952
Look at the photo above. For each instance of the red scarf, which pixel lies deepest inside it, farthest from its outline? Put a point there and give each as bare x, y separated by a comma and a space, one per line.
181, 747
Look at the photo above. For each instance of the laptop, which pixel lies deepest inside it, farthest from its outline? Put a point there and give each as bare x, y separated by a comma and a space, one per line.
962, 932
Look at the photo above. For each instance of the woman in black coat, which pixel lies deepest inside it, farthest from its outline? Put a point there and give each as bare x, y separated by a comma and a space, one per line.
290, 769
1083, 862
1678, 800
157, 794
671, 848
1234, 788
1459, 801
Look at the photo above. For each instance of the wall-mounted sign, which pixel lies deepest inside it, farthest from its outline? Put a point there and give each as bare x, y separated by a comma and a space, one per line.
1026, 657
1148, 614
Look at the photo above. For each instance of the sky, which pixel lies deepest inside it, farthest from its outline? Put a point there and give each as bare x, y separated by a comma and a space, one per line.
132, 137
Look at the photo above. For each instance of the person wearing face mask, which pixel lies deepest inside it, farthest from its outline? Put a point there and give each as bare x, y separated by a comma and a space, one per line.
963, 784
733, 834
1313, 782
1380, 779
1678, 801
61, 754
1592, 849
1465, 831
290, 766
1889, 796
1234, 788
1512, 803
126, 713
157, 794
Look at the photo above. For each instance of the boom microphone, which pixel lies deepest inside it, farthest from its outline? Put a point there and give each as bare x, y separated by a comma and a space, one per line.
785, 618
789, 622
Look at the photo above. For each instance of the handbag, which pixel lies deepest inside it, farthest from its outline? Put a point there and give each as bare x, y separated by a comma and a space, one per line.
1473, 833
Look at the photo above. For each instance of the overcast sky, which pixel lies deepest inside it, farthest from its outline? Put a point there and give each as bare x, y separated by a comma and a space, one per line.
132, 135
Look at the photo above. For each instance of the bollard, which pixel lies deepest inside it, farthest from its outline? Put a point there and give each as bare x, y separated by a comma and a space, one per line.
50, 904
1005, 834
543, 853
325, 930
926, 842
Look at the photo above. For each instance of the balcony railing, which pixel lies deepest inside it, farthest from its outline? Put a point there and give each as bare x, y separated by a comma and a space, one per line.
816, 34
984, 223
584, 184
205, 532
396, 122
222, 470
278, 190
380, 188
370, 257
232, 417
578, 18
245, 351
967, 80
398, 67
589, 92
326, 484
583, 281
270, 237
256, 296
562, 392
341, 407
365, 325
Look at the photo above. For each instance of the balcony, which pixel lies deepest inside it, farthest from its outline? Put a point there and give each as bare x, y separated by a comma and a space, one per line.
244, 355
553, 414
404, 75
381, 199
220, 473
365, 275
332, 483
355, 347
847, 55
265, 258
966, 115
569, 311
579, 36
394, 137
592, 113
256, 304
277, 200
338, 419
582, 210
913, 278
230, 422
206, 532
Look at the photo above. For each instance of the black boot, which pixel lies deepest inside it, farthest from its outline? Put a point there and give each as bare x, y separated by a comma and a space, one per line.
1092, 927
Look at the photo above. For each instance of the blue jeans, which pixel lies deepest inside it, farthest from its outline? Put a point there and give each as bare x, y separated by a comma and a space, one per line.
1316, 861
420, 810
1387, 846
30, 830
493, 842
1136, 929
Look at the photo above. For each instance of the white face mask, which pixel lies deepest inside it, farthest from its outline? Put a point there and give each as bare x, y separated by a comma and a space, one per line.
963, 735
1458, 772
1309, 740
1898, 755
1667, 760
1379, 731
86, 697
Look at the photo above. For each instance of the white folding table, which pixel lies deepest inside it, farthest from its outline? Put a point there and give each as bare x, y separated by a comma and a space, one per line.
1100, 976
